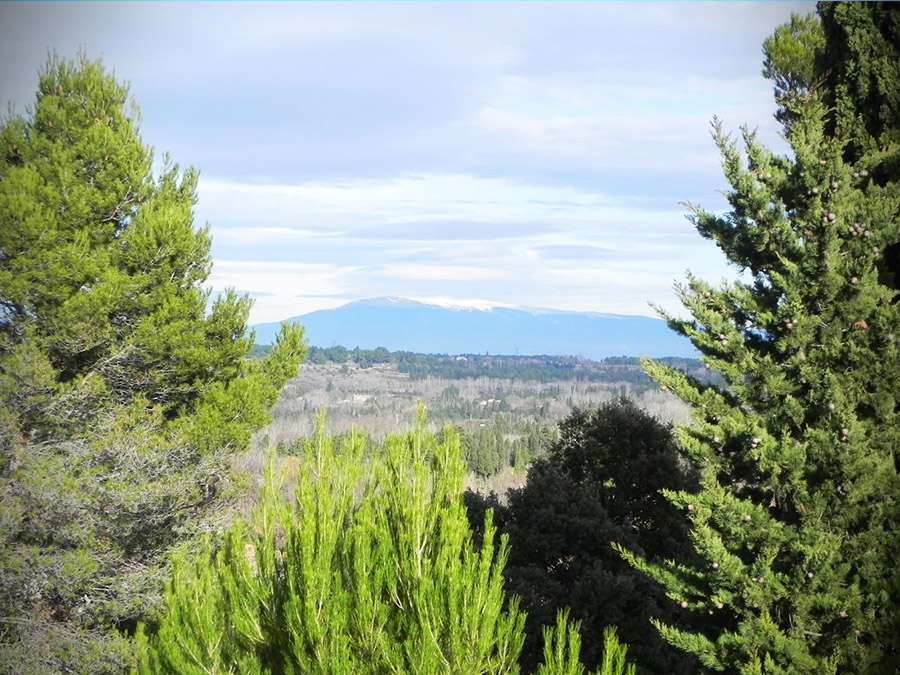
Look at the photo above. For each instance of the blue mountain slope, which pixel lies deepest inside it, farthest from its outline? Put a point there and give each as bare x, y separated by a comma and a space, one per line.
407, 325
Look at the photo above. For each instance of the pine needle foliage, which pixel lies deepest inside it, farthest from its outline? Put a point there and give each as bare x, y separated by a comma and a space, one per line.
798, 522
562, 645
369, 568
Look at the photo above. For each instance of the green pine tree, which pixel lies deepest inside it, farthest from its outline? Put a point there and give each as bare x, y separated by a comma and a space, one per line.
790, 63
123, 390
370, 569
798, 524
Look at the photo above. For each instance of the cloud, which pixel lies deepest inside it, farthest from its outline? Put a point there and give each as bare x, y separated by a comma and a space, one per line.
580, 245
441, 273
457, 230
426, 200
280, 278
268, 235
572, 252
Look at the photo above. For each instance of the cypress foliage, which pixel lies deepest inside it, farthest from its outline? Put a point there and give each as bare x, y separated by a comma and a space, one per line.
791, 62
797, 524
123, 389
860, 73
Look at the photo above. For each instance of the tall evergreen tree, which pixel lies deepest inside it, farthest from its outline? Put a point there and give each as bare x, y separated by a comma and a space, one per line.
798, 523
123, 390
860, 71
598, 483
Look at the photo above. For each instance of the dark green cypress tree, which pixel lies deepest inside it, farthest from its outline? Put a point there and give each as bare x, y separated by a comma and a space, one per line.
123, 390
860, 73
798, 523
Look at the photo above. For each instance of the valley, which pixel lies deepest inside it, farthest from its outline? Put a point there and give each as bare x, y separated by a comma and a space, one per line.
503, 419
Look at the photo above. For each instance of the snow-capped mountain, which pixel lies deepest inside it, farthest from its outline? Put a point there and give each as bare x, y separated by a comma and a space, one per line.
465, 327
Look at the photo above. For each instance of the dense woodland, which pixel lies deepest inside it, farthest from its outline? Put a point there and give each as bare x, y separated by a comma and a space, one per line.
758, 536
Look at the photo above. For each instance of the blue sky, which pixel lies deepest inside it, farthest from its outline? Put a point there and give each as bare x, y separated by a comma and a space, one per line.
514, 153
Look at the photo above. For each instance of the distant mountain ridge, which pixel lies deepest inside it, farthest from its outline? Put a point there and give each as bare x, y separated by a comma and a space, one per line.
400, 324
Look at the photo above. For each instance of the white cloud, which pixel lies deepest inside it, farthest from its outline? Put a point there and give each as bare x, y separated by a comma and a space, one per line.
631, 256
344, 207
441, 273
269, 235
271, 309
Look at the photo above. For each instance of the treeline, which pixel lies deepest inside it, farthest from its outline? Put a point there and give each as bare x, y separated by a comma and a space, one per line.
493, 446
624, 369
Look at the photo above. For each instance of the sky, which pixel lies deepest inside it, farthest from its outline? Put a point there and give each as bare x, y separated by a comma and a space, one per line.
473, 153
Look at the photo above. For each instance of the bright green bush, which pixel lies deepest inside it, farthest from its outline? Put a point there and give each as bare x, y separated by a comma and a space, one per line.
370, 568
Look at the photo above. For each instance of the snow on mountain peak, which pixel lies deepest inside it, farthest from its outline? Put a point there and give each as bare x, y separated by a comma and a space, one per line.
458, 303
